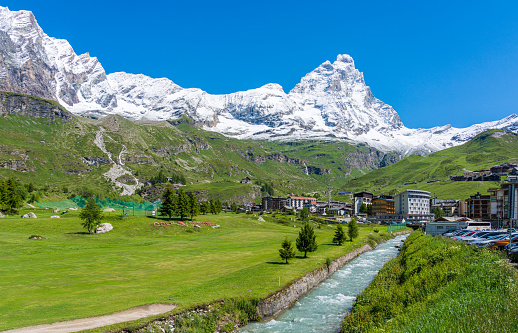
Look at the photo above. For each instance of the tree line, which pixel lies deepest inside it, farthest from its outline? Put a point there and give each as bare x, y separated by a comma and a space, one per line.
183, 205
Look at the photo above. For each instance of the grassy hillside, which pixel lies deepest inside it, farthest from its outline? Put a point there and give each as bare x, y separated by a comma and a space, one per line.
51, 153
482, 152
438, 285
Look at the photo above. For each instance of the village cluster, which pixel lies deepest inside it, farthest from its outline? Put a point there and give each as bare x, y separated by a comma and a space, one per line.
495, 210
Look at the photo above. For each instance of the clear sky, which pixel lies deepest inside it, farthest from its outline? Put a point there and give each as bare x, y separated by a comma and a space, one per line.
436, 62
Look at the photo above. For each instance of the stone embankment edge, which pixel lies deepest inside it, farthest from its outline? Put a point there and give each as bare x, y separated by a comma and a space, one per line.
273, 305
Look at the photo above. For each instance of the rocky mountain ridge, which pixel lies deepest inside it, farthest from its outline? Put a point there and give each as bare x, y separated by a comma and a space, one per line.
332, 102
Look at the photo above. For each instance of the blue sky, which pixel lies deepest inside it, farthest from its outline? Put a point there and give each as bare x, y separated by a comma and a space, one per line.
436, 62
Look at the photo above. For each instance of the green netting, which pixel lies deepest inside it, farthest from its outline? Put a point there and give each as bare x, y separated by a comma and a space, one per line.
79, 201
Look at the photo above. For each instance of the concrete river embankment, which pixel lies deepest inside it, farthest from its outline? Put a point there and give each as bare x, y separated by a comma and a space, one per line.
323, 309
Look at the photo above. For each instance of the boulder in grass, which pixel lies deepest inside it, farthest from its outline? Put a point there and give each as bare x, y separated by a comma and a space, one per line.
72, 208
30, 215
55, 217
55, 210
103, 228
108, 210
2, 215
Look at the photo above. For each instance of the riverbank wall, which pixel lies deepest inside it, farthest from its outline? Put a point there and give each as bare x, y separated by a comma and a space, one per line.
276, 303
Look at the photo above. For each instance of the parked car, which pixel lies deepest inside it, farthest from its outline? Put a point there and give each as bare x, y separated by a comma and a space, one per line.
500, 244
485, 240
454, 233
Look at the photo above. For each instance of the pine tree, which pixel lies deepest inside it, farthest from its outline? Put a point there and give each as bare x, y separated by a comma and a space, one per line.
363, 208
168, 206
304, 213
339, 237
13, 198
194, 205
212, 207
287, 251
234, 207
352, 228
91, 215
182, 206
218, 206
306, 242
204, 207
3, 195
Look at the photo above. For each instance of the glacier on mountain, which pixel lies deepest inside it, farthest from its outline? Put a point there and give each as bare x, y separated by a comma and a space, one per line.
331, 103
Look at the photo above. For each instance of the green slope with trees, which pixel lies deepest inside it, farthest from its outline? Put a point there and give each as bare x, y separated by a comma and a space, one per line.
481, 153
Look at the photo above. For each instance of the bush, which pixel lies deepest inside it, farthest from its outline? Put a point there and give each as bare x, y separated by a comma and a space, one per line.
371, 242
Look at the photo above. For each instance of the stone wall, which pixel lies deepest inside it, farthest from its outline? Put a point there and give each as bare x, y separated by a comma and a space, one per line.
283, 299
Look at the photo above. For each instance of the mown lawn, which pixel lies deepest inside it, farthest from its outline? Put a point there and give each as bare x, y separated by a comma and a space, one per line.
72, 274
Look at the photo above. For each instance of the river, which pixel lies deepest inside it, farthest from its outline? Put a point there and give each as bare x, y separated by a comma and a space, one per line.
323, 309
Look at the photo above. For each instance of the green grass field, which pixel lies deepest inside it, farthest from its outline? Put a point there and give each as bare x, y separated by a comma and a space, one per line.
72, 274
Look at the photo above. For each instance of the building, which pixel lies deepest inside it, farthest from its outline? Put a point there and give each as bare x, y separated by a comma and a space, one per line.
334, 207
273, 204
382, 206
362, 198
444, 224
462, 208
246, 180
503, 204
300, 202
503, 168
479, 206
449, 207
410, 206
412, 202
413, 205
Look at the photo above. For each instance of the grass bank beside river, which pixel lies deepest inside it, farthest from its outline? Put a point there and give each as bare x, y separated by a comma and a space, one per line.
439, 285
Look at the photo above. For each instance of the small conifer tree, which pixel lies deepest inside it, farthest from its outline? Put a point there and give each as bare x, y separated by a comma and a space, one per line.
182, 204
91, 215
194, 205
287, 251
306, 242
352, 228
168, 203
339, 237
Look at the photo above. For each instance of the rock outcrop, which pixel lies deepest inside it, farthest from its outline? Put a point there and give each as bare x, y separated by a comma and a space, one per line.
11, 103
97, 161
30, 215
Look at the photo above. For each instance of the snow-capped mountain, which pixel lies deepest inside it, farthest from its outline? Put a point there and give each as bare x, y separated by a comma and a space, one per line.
331, 102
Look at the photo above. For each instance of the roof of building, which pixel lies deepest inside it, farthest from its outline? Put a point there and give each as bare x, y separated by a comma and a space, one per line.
453, 219
362, 193
388, 200
295, 197
414, 192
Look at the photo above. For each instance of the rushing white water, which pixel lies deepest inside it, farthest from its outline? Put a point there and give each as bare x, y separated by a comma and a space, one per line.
323, 309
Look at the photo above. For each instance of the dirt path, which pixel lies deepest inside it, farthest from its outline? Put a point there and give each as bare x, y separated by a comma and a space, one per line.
94, 322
